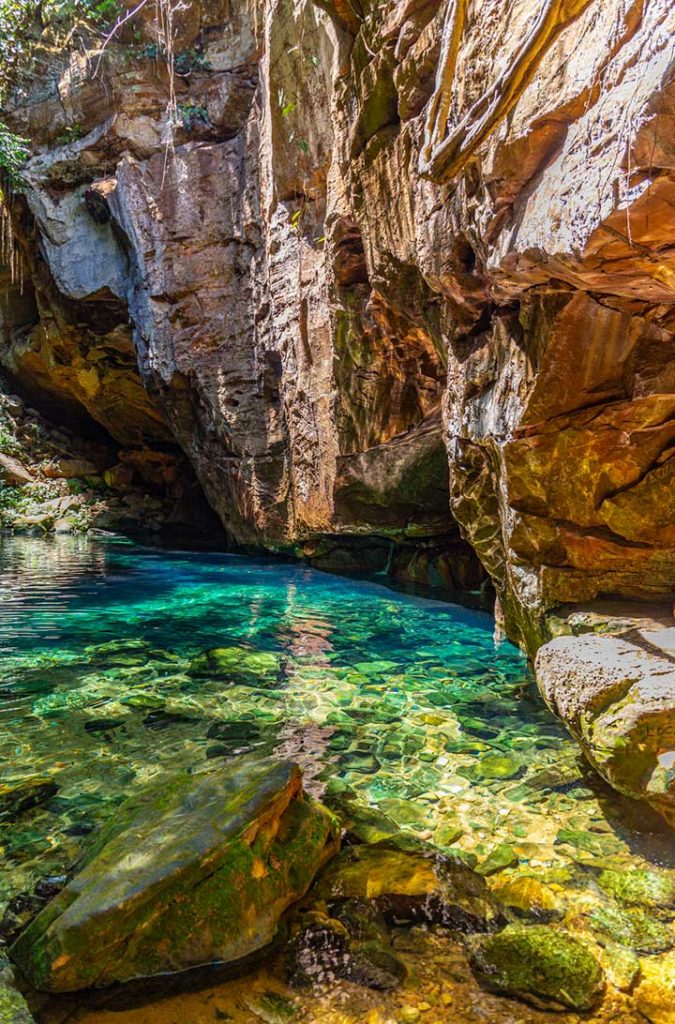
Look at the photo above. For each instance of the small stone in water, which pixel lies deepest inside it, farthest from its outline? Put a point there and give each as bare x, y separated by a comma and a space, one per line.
500, 857
492, 766
103, 724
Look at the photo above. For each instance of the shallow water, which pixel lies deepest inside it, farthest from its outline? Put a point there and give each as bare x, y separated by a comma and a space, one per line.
409, 703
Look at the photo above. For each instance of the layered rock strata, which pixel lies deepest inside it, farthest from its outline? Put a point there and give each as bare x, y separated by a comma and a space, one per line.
368, 214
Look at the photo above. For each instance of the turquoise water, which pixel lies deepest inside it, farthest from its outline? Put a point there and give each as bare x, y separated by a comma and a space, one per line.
405, 705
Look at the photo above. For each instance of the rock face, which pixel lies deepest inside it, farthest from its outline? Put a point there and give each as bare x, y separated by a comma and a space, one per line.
408, 255
618, 699
197, 871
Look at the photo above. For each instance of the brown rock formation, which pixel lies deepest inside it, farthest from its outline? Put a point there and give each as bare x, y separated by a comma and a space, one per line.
373, 213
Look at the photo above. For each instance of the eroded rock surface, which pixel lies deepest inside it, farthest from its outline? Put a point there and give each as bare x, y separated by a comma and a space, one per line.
617, 697
372, 214
195, 870
402, 269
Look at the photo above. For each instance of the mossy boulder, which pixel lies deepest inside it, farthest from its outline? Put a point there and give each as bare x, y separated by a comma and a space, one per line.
411, 886
13, 1007
634, 928
238, 665
194, 871
645, 887
550, 969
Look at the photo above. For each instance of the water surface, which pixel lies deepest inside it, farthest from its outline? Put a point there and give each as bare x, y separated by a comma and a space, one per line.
408, 705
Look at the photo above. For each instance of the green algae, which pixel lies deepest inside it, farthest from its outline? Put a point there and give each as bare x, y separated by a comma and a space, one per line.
551, 969
644, 887
633, 928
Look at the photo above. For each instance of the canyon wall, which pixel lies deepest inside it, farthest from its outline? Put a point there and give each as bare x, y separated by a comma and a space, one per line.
400, 269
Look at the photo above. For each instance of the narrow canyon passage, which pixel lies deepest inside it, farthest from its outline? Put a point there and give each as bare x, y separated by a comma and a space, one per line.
337, 517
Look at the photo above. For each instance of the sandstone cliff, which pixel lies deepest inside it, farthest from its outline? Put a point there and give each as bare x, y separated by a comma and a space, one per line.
403, 266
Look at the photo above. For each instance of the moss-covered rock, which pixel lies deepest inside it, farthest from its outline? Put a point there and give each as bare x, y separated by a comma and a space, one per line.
551, 969
13, 1007
238, 665
195, 870
633, 928
411, 886
642, 887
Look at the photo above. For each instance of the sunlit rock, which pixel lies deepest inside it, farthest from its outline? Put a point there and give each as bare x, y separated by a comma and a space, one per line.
194, 870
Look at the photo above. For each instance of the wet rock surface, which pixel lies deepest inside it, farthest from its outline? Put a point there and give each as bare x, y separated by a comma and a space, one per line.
549, 968
392, 300
194, 871
617, 697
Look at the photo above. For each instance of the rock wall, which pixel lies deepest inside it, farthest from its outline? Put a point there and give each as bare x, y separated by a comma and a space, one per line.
403, 265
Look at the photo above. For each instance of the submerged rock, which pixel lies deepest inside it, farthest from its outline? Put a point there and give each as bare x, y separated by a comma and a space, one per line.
643, 887
499, 858
551, 969
655, 995
13, 1007
23, 794
352, 944
237, 665
194, 870
633, 928
527, 897
411, 886
618, 700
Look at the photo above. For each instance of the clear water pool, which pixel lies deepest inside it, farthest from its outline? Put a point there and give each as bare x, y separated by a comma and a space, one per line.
404, 704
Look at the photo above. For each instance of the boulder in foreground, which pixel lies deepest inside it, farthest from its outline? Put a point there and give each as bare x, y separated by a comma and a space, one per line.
618, 699
194, 871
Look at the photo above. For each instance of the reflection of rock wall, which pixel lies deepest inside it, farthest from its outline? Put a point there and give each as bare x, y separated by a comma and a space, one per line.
306, 302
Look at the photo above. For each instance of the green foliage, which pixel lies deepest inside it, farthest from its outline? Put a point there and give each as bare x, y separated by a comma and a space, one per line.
192, 115
71, 134
190, 60
12, 503
8, 443
184, 63
13, 154
286, 104
22, 21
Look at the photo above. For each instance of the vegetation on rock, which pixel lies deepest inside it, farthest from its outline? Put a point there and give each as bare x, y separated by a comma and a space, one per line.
551, 969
